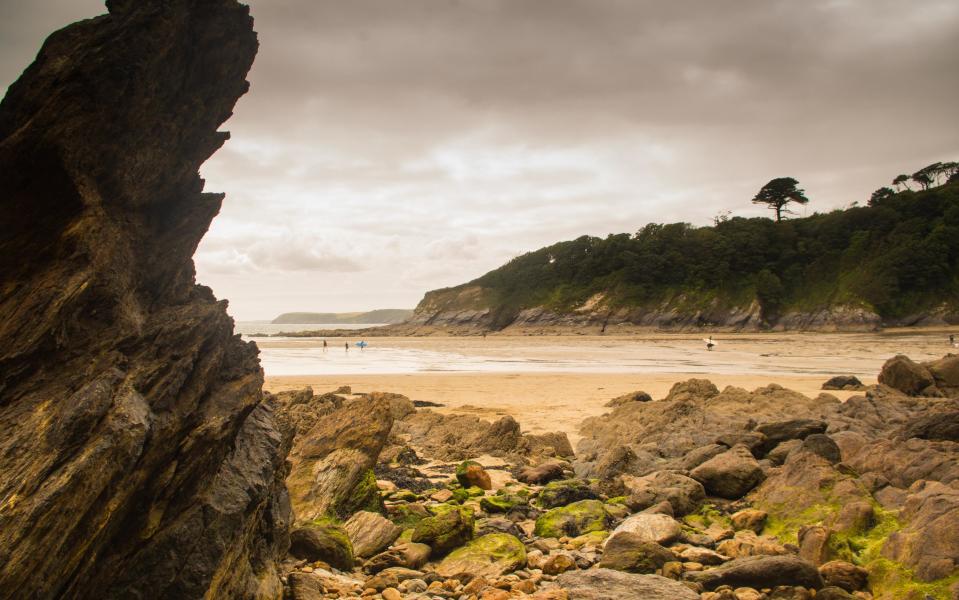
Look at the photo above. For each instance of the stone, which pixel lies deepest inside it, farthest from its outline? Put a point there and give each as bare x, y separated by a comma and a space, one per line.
703, 556
752, 519
823, 445
660, 529
392, 577
694, 458
855, 517
834, 593
794, 429
747, 543
408, 555
544, 473
627, 398
814, 544
760, 572
470, 473
323, 541
684, 494
491, 555
572, 520
630, 552
731, 474
607, 584
928, 543
561, 493
553, 443
909, 377
317, 583
498, 525
843, 382
844, 575
558, 563
445, 531
332, 463
391, 594
443, 495
778, 455
370, 533
139, 455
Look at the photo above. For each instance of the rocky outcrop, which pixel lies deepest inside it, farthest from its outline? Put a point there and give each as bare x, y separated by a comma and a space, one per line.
139, 458
935, 378
332, 463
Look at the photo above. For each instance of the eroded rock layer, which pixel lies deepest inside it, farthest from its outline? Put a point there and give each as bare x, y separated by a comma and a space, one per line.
138, 457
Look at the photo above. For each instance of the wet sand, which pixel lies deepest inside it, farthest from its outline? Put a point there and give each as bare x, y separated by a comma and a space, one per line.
552, 383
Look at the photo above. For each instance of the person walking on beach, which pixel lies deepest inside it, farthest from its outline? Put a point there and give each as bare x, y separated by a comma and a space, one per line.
347, 346
952, 340
709, 343
324, 345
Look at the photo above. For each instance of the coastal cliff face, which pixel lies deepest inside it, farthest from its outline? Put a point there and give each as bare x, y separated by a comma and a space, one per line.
465, 310
138, 456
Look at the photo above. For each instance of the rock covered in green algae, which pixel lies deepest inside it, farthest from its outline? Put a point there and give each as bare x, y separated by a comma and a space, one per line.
567, 491
491, 555
446, 531
572, 520
323, 540
470, 473
632, 553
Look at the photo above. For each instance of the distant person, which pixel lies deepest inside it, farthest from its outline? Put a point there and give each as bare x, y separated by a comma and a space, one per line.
324, 345
952, 340
347, 346
710, 344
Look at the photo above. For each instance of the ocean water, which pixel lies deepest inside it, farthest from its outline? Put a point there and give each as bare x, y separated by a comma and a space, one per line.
251, 329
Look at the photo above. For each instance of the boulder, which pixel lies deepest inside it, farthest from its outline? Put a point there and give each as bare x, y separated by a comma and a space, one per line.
392, 578
747, 543
315, 585
814, 544
750, 518
823, 445
572, 520
697, 390
843, 382
845, 575
834, 593
794, 429
332, 464
324, 541
696, 457
491, 555
730, 474
498, 525
370, 533
661, 529
558, 563
929, 541
445, 531
780, 453
909, 377
940, 425
760, 572
544, 473
472, 474
703, 556
685, 495
553, 443
407, 555
567, 491
627, 398
632, 553
607, 584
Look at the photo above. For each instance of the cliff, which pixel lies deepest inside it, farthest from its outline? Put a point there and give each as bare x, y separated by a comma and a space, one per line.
138, 457
894, 263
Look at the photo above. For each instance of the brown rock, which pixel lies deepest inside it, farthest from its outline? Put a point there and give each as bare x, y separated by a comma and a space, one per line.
370, 533
477, 476
814, 544
558, 563
751, 519
902, 374
845, 575
134, 426
730, 474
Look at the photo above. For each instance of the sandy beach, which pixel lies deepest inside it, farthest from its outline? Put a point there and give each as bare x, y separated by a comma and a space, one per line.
553, 382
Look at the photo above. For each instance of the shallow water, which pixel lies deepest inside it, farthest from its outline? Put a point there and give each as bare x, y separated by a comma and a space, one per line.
795, 354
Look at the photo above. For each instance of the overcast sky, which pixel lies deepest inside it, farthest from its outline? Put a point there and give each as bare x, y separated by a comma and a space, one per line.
390, 147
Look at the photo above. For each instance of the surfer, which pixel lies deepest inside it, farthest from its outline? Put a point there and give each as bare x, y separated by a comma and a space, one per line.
324, 345
710, 344
347, 344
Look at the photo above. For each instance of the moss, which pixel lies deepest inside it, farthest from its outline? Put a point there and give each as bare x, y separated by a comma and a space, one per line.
329, 543
491, 554
460, 496
567, 491
617, 500
403, 516
475, 492
404, 496
445, 531
707, 516
891, 580
497, 504
593, 538
365, 496
441, 509
572, 520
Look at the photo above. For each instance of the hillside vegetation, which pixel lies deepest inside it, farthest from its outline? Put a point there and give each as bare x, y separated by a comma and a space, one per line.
896, 258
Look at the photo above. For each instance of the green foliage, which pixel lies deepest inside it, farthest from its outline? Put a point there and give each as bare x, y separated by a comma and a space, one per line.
778, 193
896, 258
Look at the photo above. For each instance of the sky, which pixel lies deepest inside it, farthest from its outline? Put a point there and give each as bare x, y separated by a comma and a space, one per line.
391, 147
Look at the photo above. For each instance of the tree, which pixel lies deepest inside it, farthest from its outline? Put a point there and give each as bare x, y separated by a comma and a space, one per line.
901, 180
926, 176
778, 193
883, 193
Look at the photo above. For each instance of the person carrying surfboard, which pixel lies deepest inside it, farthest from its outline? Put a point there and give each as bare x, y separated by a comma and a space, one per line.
710, 344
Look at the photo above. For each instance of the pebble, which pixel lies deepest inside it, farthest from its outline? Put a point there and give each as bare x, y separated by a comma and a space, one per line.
391, 594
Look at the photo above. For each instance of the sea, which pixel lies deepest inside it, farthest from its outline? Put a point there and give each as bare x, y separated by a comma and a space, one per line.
257, 329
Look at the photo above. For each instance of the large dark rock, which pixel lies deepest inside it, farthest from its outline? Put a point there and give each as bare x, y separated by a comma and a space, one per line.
903, 374
730, 474
843, 382
685, 495
794, 429
138, 456
325, 541
760, 572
